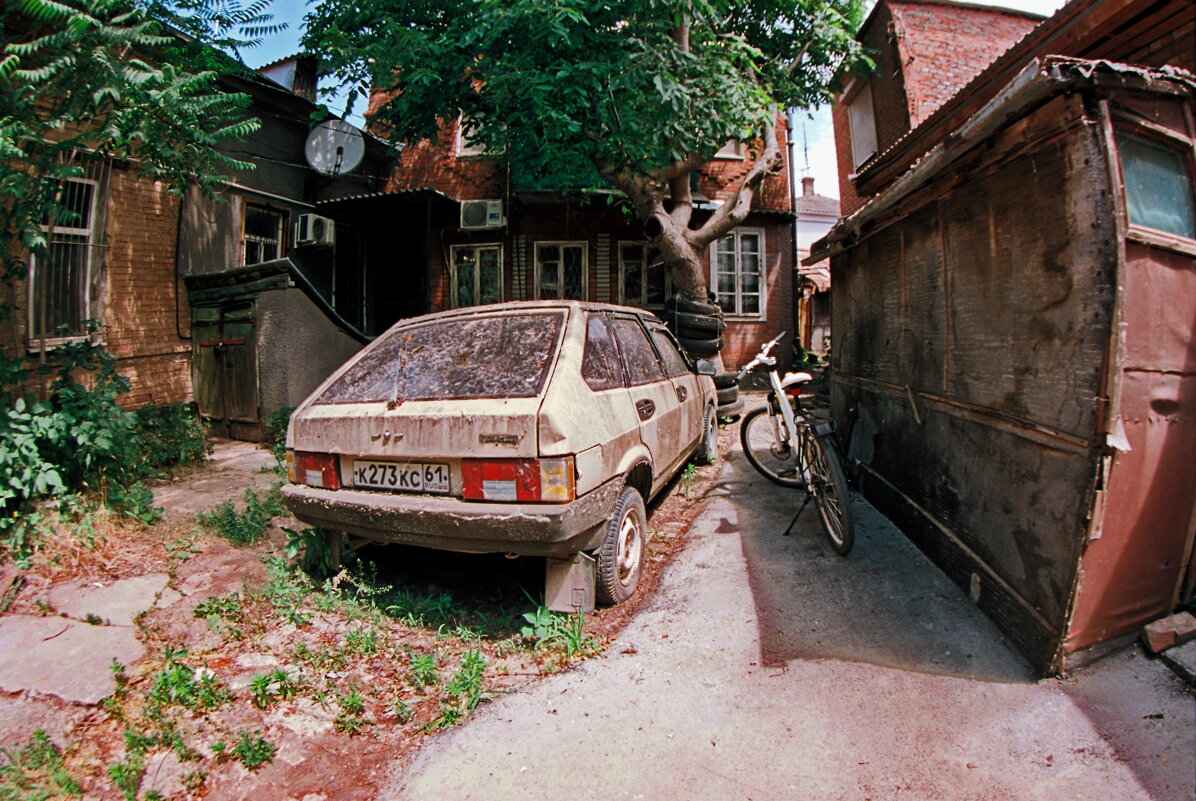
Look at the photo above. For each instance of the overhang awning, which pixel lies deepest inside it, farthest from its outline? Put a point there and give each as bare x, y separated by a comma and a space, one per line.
388, 199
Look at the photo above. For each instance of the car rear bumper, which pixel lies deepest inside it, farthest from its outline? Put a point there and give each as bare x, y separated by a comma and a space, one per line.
450, 524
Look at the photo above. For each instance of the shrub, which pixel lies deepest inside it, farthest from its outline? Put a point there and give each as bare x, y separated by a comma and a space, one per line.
171, 435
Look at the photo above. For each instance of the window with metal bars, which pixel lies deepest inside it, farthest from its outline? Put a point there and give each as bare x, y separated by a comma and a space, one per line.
477, 274
261, 239
60, 281
561, 270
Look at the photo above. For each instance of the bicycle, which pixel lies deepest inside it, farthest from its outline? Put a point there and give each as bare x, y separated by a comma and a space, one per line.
790, 447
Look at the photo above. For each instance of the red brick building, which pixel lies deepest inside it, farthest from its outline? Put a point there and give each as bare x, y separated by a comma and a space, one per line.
925, 52
508, 241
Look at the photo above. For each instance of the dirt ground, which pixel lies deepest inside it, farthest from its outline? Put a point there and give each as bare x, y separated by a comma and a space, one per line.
334, 678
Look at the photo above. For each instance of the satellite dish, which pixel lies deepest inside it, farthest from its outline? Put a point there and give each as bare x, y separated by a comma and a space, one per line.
334, 147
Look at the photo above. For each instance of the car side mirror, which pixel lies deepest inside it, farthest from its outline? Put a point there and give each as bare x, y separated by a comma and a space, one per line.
705, 367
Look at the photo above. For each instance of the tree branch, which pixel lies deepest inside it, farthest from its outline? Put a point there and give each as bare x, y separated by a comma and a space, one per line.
737, 207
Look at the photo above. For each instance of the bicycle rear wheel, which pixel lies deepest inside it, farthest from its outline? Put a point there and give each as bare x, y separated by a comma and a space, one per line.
829, 486
767, 450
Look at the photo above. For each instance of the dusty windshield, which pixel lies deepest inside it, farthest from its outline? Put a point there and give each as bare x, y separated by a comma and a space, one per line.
496, 356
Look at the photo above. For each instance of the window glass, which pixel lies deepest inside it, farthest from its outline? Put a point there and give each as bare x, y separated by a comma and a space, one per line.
59, 282
738, 272
644, 280
561, 270
600, 367
477, 274
862, 122
638, 356
1158, 185
492, 356
263, 235
674, 362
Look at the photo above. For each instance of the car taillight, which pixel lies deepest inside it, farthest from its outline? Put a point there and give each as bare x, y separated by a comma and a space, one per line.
543, 480
314, 469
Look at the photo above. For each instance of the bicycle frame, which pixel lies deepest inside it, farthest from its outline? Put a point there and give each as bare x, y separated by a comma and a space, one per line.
778, 396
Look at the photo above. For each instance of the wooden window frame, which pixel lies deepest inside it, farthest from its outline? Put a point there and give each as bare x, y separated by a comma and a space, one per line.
283, 218
585, 268
640, 302
1184, 146
454, 278
739, 294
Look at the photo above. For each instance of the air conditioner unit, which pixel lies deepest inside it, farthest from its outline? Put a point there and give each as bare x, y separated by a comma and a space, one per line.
482, 214
312, 230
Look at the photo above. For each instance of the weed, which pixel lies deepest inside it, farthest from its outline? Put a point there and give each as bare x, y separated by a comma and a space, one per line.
362, 641
194, 781
268, 689
688, 476
228, 607
246, 527
552, 629
253, 750
422, 671
401, 711
178, 684
35, 772
310, 548
93, 619
126, 774
277, 423
352, 706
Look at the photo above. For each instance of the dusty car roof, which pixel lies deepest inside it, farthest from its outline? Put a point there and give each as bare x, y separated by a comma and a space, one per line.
527, 305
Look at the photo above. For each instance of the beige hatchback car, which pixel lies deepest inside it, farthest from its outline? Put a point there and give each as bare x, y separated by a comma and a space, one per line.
534, 428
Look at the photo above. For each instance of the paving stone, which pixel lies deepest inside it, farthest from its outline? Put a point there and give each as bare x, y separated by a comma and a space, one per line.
117, 603
1182, 660
62, 657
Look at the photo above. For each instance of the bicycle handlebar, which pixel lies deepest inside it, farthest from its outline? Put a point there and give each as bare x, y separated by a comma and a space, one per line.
761, 358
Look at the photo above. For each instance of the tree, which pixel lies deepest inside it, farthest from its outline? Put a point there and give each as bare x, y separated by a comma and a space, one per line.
639, 92
85, 80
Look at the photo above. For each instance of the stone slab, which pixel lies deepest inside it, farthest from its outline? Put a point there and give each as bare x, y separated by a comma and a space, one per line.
117, 603
1182, 660
62, 657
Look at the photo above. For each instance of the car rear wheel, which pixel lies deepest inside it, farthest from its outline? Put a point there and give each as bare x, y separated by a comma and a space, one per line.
621, 556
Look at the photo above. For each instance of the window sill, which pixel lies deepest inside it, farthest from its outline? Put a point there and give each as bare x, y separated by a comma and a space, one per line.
50, 343
1158, 239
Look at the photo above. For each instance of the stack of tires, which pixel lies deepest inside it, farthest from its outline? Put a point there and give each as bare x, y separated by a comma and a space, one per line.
699, 329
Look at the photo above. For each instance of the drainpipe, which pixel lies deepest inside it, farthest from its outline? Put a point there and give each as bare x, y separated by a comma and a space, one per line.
790, 118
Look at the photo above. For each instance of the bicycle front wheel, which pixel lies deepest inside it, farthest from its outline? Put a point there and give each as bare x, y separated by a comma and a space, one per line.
828, 483
766, 447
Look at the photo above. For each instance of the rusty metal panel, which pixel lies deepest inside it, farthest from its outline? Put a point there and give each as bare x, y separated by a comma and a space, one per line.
981, 319
1133, 573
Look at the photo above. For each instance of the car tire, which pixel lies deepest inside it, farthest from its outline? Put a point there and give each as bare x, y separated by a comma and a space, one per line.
696, 326
727, 396
724, 380
701, 347
684, 303
620, 559
731, 410
707, 451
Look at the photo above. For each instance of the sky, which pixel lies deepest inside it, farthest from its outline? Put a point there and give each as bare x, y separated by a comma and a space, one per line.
815, 149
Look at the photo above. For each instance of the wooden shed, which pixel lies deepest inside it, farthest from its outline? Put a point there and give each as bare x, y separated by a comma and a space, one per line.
1014, 370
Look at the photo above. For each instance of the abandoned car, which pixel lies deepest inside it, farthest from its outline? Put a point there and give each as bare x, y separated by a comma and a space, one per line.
536, 428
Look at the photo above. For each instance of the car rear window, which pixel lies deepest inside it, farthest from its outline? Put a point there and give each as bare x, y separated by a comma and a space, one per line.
495, 356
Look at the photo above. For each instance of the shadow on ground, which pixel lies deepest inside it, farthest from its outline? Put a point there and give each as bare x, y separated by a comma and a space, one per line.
884, 604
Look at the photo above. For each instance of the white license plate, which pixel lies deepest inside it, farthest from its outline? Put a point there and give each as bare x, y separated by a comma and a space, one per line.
401, 476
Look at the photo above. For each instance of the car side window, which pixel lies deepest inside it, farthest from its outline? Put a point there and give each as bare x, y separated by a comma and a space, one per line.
600, 366
638, 355
674, 362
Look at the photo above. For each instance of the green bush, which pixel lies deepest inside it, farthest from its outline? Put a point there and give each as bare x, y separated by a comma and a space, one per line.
276, 433
73, 437
171, 435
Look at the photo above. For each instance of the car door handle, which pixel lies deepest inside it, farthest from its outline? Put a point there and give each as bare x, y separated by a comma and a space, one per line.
646, 408
682, 394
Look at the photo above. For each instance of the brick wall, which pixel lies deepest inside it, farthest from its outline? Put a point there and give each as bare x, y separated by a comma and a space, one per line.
143, 294
139, 294
943, 47
925, 53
